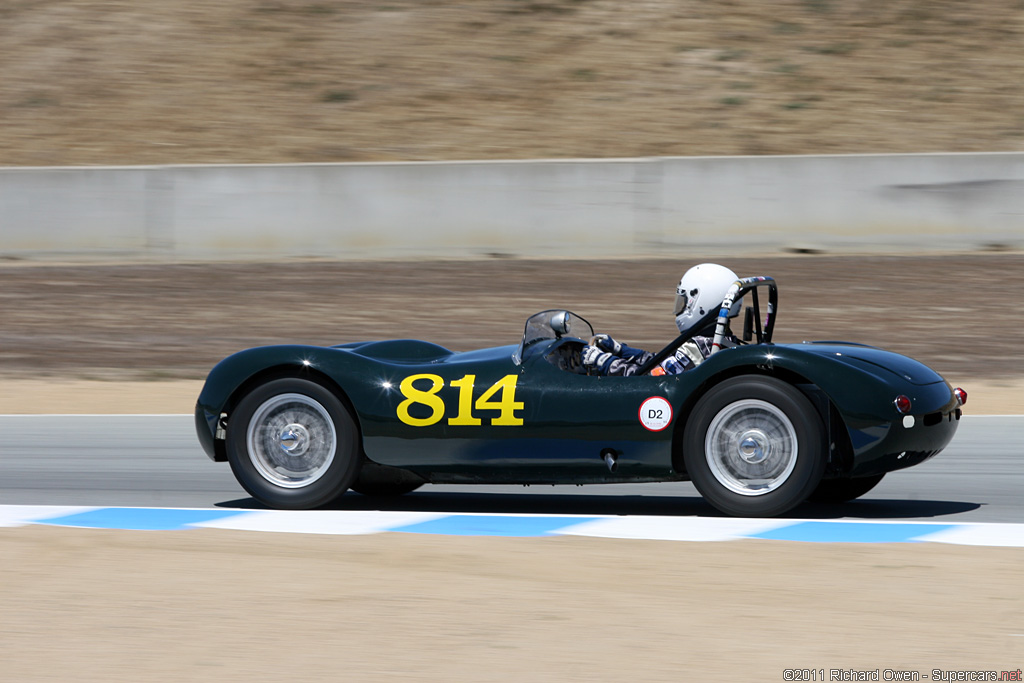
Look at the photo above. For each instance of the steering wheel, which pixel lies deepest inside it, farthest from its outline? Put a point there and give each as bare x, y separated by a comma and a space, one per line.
575, 348
569, 356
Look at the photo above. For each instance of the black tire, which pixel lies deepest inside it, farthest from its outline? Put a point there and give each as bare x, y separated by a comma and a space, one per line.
841, 490
754, 447
293, 444
375, 480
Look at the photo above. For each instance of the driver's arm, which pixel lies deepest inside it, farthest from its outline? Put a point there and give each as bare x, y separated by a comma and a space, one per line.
619, 359
625, 360
691, 354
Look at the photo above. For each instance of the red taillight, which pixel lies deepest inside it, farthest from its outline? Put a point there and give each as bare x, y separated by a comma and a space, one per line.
902, 404
961, 395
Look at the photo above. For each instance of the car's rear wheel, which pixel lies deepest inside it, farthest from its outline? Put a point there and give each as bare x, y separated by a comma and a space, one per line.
842, 490
754, 447
293, 444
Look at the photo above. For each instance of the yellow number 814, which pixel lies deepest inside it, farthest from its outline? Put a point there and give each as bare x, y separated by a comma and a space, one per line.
506, 405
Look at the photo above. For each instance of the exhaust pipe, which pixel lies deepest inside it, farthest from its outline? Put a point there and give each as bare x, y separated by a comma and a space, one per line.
610, 459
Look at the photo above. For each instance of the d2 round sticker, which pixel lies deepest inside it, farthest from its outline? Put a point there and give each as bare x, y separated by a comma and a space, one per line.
655, 413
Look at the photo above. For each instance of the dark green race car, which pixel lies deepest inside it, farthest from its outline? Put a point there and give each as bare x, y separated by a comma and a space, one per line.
758, 428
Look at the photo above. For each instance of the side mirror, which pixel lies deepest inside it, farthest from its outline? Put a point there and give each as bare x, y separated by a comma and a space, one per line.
560, 323
748, 324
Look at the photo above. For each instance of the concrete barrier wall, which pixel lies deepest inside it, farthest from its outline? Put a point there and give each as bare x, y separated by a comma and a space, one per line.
529, 208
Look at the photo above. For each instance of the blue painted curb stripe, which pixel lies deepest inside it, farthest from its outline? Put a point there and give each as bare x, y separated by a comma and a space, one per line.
850, 532
139, 519
627, 526
492, 525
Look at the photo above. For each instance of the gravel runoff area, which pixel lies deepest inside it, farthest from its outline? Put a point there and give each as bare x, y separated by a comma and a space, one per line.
94, 605
72, 332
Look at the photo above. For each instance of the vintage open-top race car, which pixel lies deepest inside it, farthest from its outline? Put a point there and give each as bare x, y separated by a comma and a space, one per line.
758, 428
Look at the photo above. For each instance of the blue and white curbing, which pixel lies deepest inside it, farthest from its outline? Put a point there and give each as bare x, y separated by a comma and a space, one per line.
663, 528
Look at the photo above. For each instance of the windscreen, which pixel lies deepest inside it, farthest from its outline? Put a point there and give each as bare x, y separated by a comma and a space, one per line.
552, 324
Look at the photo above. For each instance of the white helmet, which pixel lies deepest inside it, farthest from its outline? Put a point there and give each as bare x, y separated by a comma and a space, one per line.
702, 289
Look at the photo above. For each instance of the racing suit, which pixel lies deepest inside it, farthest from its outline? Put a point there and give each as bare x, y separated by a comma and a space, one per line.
627, 360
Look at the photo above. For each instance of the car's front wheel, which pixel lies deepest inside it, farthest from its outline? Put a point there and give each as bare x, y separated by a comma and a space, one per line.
754, 447
293, 444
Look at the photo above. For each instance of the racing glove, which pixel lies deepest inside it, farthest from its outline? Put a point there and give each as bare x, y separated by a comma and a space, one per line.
593, 357
606, 343
695, 351
690, 355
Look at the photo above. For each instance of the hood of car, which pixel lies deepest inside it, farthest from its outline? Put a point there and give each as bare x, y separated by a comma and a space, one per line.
401, 350
420, 352
912, 371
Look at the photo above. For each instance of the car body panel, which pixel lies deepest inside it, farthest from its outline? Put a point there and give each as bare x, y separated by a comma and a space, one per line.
559, 424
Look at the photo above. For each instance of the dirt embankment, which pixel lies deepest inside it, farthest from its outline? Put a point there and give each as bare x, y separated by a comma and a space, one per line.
101, 82
174, 322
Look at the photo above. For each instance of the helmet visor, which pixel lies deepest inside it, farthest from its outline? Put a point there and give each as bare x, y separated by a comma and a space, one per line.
684, 302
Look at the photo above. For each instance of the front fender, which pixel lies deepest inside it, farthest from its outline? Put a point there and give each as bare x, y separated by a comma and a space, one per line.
232, 377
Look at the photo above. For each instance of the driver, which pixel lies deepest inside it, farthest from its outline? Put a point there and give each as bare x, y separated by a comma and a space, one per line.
701, 289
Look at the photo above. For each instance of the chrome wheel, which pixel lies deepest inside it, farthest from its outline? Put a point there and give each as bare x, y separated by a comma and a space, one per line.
291, 440
751, 447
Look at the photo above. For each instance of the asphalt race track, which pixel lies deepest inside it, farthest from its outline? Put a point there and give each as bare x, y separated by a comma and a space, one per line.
155, 460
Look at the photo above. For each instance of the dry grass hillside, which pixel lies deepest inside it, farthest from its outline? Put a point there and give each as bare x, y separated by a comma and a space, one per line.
141, 81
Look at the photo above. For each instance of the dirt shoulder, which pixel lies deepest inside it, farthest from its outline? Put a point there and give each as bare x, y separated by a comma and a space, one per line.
92, 605
72, 333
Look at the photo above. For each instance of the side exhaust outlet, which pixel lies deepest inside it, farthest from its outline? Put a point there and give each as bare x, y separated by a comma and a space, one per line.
610, 459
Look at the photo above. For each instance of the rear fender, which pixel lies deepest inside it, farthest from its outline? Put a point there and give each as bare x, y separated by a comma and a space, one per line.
835, 431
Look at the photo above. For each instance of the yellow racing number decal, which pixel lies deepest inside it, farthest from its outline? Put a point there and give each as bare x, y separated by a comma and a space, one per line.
427, 398
506, 404
465, 416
